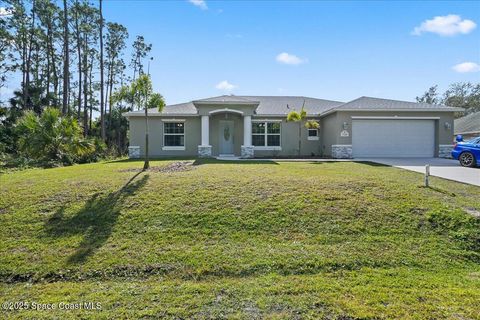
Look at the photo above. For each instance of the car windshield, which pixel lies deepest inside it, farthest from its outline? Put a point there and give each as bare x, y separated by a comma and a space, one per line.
474, 140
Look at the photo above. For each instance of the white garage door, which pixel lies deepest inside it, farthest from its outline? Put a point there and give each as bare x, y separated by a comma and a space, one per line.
393, 138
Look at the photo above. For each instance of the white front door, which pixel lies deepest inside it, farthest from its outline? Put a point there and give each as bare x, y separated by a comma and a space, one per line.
225, 137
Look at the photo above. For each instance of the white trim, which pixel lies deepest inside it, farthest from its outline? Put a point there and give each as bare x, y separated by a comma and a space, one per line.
180, 148
393, 118
225, 110
341, 145
173, 120
132, 114
247, 131
227, 102
448, 109
313, 138
267, 120
266, 134
260, 148
284, 115
205, 124
173, 148
446, 145
468, 132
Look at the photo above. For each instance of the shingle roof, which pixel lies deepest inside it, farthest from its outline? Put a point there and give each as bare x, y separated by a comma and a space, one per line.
267, 105
282, 105
226, 98
272, 105
369, 103
467, 124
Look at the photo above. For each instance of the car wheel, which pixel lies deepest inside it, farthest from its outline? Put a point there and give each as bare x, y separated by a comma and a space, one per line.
467, 159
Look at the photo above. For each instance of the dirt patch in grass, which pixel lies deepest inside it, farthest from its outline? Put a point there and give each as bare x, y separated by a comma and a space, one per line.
473, 212
178, 166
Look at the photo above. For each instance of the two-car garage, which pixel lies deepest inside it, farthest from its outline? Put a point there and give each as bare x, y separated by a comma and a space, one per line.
387, 137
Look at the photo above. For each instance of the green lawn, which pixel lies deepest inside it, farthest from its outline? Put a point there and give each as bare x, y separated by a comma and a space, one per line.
240, 240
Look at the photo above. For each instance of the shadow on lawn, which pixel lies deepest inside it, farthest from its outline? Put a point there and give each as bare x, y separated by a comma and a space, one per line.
95, 220
372, 164
201, 161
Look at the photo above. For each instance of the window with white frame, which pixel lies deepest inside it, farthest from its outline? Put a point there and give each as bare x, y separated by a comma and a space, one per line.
266, 134
174, 134
312, 134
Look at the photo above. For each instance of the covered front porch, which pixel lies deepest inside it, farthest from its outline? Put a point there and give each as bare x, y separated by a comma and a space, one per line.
226, 132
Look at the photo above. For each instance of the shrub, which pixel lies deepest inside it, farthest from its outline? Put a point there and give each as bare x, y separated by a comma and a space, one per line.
51, 138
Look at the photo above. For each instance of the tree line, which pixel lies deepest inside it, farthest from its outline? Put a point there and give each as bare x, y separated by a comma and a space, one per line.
68, 58
464, 95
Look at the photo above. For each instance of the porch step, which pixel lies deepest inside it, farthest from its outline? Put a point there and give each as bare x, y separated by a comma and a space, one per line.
227, 157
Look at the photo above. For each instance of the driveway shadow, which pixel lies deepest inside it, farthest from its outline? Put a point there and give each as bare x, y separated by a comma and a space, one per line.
95, 220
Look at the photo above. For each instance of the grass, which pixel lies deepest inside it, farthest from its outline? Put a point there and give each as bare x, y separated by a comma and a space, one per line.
242, 240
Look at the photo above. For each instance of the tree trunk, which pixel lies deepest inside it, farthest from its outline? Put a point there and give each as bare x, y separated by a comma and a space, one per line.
90, 91
48, 61
85, 90
107, 124
146, 164
29, 56
299, 138
79, 54
66, 60
110, 97
102, 105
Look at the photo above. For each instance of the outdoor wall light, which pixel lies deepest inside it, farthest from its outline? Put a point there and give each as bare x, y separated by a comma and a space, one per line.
447, 125
345, 125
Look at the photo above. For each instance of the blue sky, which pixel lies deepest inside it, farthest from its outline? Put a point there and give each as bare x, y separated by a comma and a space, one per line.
331, 50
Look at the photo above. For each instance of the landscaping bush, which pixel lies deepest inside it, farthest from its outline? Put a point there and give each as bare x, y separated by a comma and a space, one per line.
51, 139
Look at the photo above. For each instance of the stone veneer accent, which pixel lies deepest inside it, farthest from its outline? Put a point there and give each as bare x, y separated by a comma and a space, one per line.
134, 152
247, 152
444, 150
204, 151
342, 151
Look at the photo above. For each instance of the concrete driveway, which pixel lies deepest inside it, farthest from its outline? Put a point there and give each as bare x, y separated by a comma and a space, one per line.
439, 167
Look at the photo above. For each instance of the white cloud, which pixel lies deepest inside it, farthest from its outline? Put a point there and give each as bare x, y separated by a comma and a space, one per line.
199, 3
4, 12
288, 58
448, 25
466, 67
225, 85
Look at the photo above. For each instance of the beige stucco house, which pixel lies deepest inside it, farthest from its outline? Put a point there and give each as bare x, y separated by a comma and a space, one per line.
256, 126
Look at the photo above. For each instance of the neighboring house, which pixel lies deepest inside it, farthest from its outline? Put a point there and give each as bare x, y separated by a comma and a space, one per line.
468, 126
256, 126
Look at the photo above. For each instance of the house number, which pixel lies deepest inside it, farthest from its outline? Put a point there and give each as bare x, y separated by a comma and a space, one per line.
344, 133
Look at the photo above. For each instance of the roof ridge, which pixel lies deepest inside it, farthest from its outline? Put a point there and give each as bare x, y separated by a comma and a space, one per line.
397, 100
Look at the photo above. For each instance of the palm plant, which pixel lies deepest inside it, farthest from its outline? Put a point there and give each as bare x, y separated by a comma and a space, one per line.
140, 94
51, 137
301, 118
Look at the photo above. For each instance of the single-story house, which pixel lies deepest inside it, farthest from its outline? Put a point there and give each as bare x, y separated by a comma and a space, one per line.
256, 126
468, 126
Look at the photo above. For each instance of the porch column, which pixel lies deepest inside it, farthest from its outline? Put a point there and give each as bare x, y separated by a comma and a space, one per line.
205, 131
247, 148
205, 149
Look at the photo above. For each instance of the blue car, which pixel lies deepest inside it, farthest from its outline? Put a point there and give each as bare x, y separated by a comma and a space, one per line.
467, 152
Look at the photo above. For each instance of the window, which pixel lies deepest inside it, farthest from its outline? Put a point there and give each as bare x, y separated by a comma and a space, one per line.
266, 134
312, 134
174, 134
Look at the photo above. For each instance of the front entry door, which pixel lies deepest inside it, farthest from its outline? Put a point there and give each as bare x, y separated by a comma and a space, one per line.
226, 137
